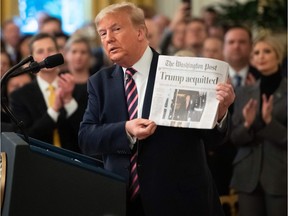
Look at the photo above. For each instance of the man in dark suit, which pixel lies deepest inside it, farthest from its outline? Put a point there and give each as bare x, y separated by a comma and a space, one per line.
30, 103
237, 53
172, 173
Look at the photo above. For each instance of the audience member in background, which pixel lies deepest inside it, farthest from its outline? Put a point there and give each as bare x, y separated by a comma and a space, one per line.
51, 25
40, 17
162, 22
100, 58
185, 52
217, 30
209, 16
17, 82
154, 36
171, 43
176, 41
12, 84
237, 51
5, 62
23, 46
260, 134
42, 115
213, 48
78, 56
196, 34
11, 35
61, 39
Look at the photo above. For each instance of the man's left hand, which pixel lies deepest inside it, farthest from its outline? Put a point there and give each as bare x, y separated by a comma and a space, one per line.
226, 96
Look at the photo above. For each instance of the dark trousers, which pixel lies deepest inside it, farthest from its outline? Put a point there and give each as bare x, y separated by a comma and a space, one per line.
259, 203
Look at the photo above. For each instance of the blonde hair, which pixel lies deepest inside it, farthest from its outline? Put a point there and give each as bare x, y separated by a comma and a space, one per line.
135, 13
185, 52
78, 39
274, 43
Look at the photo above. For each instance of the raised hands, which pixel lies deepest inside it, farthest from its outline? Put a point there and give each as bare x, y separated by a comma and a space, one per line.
267, 107
250, 109
63, 94
66, 84
249, 112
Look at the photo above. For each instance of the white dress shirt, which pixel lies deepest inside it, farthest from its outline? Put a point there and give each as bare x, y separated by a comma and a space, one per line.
141, 77
242, 73
70, 107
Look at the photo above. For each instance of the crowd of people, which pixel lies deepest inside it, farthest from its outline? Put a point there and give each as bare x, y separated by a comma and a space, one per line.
252, 159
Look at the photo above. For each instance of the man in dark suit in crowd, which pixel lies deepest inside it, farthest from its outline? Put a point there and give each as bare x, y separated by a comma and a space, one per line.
172, 176
237, 53
30, 104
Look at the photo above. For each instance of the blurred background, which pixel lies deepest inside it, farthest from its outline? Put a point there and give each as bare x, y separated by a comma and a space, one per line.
74, 14
175, 27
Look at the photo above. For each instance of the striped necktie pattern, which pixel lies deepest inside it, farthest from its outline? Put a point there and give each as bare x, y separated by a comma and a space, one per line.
132, 104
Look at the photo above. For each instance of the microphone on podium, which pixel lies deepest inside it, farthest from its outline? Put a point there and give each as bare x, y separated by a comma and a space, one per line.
34, 67
49, 62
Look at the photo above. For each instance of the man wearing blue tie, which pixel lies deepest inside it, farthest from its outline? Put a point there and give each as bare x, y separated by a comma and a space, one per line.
168, 175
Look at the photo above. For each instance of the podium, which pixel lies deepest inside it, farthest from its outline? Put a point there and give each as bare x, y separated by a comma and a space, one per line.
41, 179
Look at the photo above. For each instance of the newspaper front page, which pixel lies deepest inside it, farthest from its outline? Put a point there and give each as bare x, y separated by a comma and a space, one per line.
184, 91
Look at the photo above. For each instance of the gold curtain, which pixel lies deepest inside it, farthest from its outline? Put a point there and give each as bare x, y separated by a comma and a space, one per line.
9, 9
100, 4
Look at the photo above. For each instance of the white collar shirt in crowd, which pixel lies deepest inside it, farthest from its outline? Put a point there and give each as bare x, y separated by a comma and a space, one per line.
70, 107
242, 73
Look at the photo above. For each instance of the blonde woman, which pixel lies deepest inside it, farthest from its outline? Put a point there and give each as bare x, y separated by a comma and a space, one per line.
260, 133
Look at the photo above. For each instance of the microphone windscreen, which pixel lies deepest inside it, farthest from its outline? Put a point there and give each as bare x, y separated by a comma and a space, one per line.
54, 60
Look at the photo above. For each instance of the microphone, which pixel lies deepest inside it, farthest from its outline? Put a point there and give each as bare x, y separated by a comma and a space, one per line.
49, 62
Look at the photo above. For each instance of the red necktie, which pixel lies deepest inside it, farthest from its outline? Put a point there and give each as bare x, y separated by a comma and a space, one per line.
132, 103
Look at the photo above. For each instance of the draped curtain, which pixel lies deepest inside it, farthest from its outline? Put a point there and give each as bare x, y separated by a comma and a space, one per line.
8, 9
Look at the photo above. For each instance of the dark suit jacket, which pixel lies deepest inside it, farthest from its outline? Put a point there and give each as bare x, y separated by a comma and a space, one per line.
29, 106
262, 151
172, 169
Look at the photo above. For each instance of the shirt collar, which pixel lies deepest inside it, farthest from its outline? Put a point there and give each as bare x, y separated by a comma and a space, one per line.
44, 85
141, 66
243, 72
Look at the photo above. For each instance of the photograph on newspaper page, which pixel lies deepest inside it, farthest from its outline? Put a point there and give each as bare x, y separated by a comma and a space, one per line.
184, 91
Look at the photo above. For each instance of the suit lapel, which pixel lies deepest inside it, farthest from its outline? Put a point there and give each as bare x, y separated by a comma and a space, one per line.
117, 87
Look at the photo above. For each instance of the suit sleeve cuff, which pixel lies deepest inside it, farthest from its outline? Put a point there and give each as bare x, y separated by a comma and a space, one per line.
221, 123
71, 107
53, 114
132, 140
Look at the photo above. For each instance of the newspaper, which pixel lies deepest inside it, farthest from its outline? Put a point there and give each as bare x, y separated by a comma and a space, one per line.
184, 91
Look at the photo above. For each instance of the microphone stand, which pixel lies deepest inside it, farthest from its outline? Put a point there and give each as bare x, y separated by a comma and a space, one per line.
4, 96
